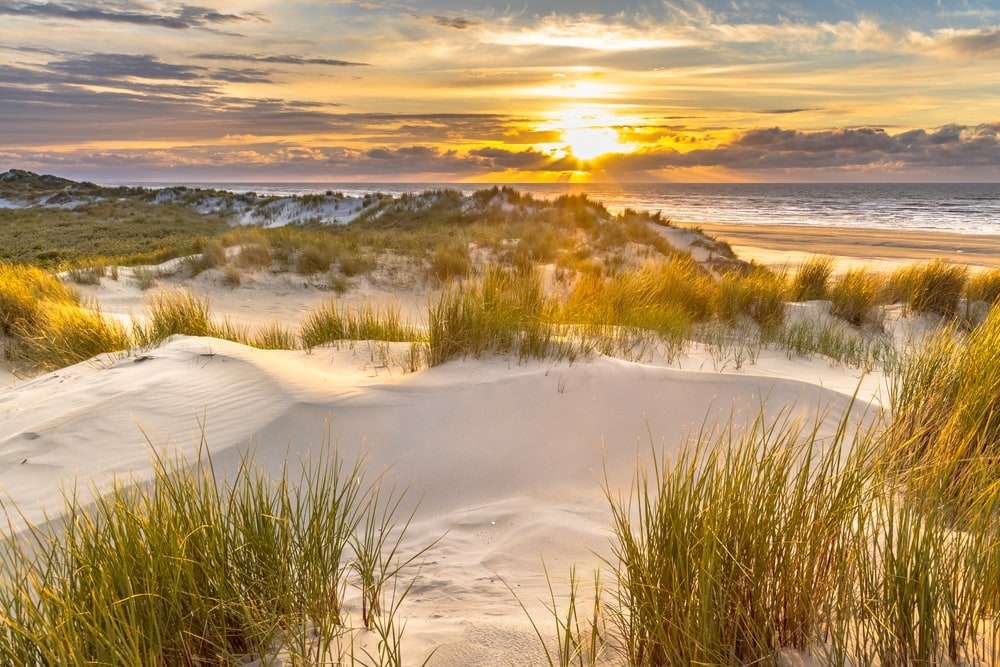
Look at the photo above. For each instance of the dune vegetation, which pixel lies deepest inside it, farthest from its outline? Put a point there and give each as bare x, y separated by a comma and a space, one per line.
878, 547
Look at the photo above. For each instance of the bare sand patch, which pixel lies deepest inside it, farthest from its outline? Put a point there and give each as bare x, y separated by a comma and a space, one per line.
778, 245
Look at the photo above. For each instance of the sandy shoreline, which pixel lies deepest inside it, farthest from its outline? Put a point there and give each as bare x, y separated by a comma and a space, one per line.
791, 244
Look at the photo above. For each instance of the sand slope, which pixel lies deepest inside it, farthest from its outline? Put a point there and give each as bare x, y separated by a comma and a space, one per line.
508, 459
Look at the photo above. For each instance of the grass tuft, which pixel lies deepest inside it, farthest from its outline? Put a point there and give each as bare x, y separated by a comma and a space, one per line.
330, 323
757, 293
170, 312
197, 569
933, 288
856, 298
812, 279
68, 334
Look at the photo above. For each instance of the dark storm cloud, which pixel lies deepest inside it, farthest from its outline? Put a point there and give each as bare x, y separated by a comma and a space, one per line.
280, 59
174, 112
183, 18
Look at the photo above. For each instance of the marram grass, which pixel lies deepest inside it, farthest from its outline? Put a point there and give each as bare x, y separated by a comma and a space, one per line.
933, 288
331, 322
195, 569
47, 324
812, 279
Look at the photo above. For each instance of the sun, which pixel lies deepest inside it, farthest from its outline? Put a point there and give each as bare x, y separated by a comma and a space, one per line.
588, 143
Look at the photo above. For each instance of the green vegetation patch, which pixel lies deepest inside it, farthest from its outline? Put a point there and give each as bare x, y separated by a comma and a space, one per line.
126, 231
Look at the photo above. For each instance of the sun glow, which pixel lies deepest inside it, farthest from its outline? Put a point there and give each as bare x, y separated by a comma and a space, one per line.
586, 134
587, 143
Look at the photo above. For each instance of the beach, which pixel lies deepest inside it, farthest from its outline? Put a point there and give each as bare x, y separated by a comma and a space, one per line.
879, 249
508, 465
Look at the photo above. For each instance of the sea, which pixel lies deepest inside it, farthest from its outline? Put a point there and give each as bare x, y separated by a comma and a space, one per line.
967, 208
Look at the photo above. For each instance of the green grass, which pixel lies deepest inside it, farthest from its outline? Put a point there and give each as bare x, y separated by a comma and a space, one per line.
734, 550
130, 231
752, 542
68, 334
506, 311
332, 323
451, 261
194, 568
946, 394
844, 345
170, 312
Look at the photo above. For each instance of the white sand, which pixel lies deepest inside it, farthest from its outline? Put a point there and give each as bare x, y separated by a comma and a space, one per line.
508, 460
505, 458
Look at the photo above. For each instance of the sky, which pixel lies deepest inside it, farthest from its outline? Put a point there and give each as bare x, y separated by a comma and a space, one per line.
488, 91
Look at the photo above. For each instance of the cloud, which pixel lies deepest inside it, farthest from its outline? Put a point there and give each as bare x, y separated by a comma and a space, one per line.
947, 152
788, 111
979, 43
258, 162
279, 59
525, 160
113, 66
589, 32
783, 151
139, 75
457, 22
184, 18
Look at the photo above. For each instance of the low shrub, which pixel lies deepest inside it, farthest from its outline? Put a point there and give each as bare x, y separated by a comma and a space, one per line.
144, 277
314, 259
88, 275
232, 276
357, 263
256, 255
213, 255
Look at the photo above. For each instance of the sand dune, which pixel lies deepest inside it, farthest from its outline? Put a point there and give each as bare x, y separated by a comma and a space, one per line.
507, 459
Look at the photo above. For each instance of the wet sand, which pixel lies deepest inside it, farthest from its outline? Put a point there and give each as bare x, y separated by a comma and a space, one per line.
791, 244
